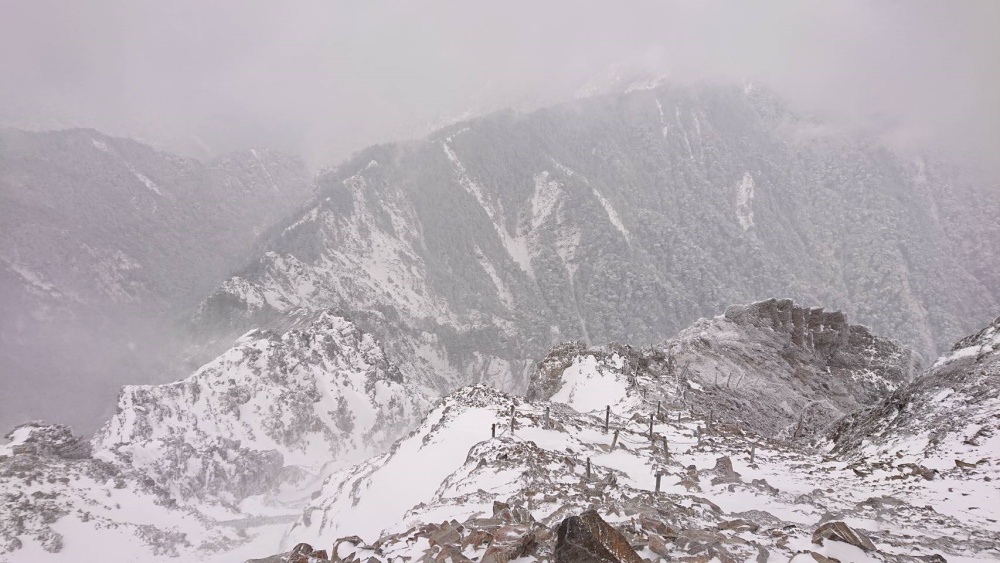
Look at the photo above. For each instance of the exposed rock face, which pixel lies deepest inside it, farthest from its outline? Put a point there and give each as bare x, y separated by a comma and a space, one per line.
622, 218
587, 538
772, 367
276, 408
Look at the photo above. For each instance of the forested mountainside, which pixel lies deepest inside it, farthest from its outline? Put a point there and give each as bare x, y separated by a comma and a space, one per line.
622, 218
105, 243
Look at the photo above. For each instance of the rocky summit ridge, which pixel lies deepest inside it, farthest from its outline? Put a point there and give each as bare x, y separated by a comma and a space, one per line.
605, 441
616, 453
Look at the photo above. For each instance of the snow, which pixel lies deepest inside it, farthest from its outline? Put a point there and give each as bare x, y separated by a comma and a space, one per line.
744, 201
589, 385
613, 215
376, 495
516, 246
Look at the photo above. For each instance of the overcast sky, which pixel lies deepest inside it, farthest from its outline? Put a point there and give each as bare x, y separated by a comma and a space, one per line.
325, 78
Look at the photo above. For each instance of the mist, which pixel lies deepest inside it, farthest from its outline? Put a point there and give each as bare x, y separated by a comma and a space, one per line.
324, 79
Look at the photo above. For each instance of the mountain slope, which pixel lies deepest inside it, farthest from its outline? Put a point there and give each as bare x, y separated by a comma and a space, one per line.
620, 218
106, 243
944, 422
694, 490
274, 410
211, 467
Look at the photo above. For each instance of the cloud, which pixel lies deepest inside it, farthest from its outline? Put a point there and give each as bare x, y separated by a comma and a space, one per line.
324, 78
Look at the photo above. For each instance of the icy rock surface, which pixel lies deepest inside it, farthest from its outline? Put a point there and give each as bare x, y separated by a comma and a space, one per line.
276, 409
689, 491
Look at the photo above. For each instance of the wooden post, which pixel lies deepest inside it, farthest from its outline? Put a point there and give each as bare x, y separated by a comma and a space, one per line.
650, 428
607, 418
699, 435
588, 469
711, 418
657, 410
666, 450
493, 430
548, 423
614, 441
658, 475
678, 417
752, 448
512, 419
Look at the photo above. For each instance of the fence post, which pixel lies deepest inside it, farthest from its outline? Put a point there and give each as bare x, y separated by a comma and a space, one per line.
752, 448
711, 418
548, 422
657, 410
699, 435
666, 450
658, 475
588, 469
650, 428
614, 441
607, 418
678, 417
493, 430
512, 419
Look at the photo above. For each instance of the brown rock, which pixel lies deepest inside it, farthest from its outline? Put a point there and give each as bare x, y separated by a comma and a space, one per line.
300, 553
587, 538
839, 531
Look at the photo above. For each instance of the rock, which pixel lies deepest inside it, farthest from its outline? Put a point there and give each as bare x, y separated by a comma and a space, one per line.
724, 471
300, 553
839, 531
587, 538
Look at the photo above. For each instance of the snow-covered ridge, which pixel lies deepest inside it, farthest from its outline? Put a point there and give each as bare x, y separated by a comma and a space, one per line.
674, 482
274, 409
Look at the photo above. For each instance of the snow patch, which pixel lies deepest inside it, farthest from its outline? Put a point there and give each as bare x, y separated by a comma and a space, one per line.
744, 201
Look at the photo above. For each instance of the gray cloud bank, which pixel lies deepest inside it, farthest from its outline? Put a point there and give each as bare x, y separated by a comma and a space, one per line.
324, 78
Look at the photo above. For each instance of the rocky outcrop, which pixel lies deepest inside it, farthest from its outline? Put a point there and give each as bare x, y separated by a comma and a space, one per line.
587, 538
771, 367
275, 409
780, 369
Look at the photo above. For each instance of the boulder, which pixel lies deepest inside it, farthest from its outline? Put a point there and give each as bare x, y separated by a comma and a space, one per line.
587, 538
840, 531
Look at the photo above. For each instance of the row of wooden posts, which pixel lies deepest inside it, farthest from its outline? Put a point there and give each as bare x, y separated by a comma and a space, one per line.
614, 440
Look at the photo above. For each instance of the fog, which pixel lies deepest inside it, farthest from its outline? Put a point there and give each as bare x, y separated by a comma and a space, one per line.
322, 79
